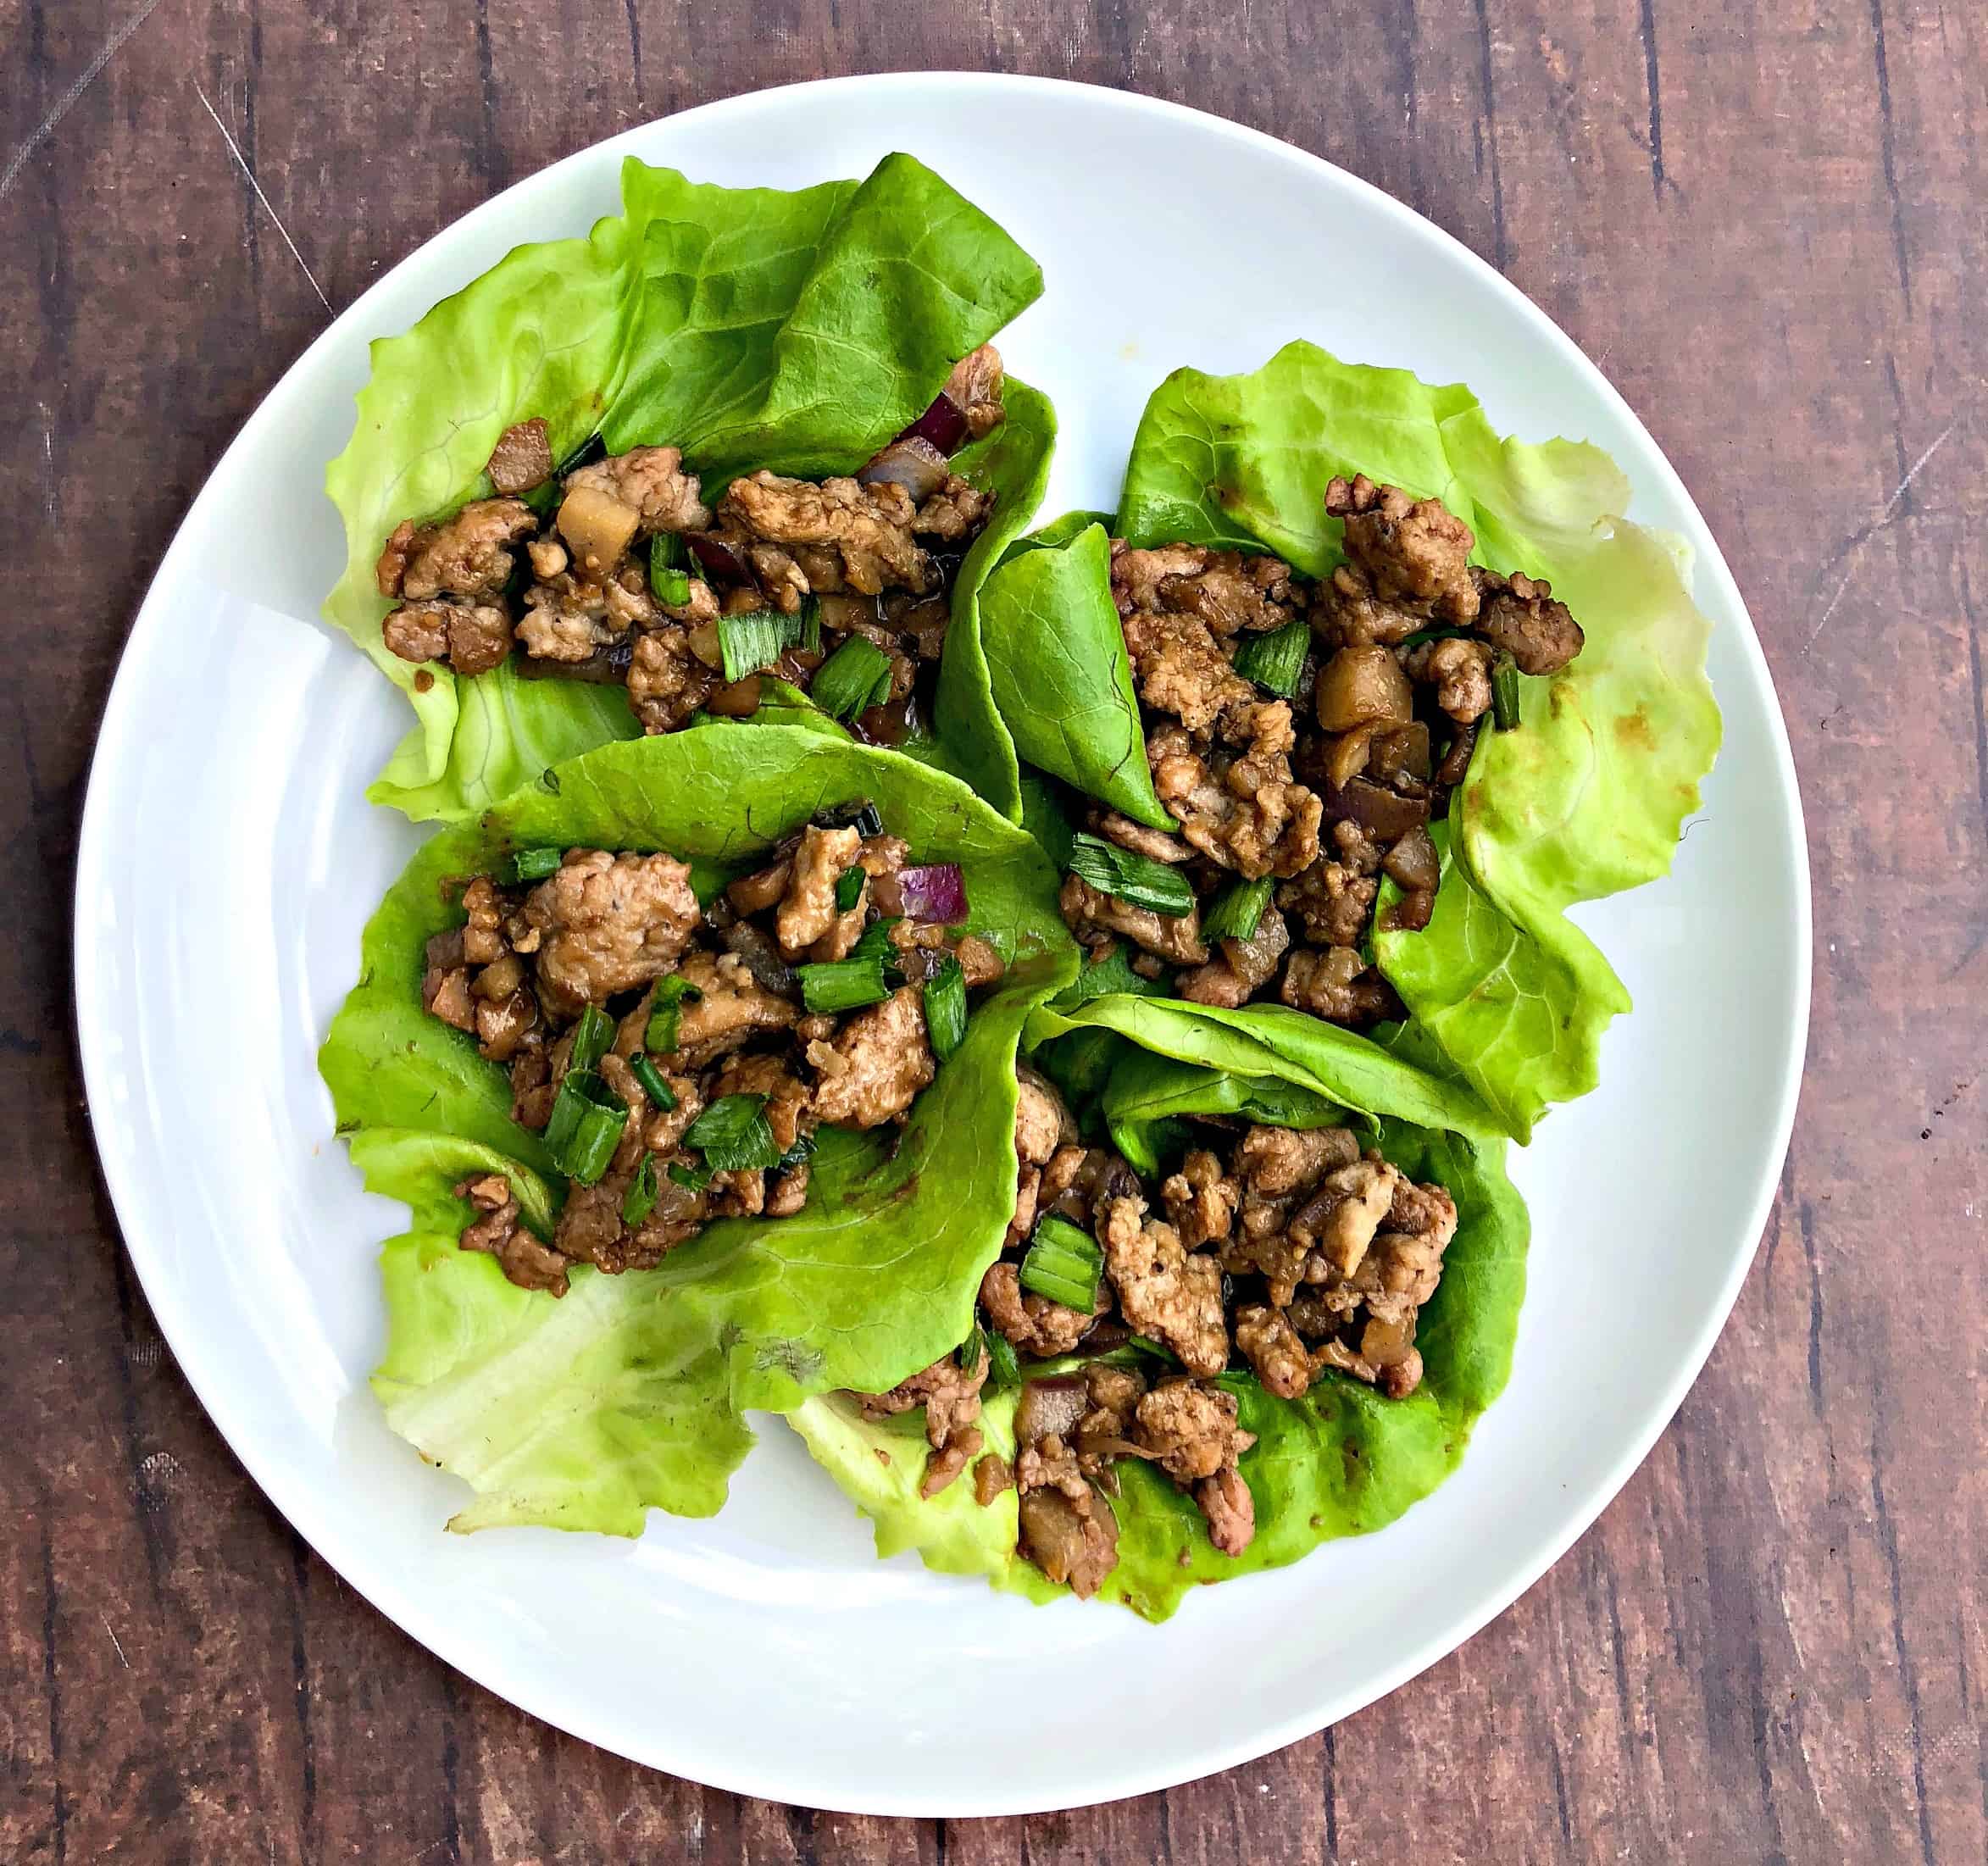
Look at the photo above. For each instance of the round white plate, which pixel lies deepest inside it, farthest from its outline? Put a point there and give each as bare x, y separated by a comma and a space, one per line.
228, 858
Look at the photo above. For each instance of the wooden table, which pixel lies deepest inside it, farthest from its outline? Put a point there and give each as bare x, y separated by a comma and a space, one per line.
1766, 222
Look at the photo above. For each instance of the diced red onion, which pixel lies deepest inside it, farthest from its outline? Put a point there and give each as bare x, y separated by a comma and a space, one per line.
943, 424
717, 559
910, 462
936, 894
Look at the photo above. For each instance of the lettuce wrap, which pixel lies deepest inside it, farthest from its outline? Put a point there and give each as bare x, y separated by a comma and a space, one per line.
752, 328
1342, 1459
626, 1393
1503, 991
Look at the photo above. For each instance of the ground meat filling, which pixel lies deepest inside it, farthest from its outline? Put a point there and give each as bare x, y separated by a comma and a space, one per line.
872, 556
1287, 1253
687, 1011
1328, 792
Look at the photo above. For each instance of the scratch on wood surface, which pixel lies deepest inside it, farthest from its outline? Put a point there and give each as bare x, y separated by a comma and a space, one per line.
242, 162
66, 102
51, 498
114, 1645
1852, 552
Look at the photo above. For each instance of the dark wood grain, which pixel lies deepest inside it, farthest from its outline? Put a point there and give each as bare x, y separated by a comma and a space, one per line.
1767, 221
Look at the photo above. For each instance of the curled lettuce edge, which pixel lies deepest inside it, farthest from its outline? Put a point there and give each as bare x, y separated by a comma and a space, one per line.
751, 327
1343, 1460
584, 1412
1587, 799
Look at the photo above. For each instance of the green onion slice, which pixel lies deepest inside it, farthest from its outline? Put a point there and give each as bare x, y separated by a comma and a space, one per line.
734, 1136
669, 575
945, 1006
848, 889
1136, 879
592, 1036
662, 1097
845, 985
1237, 911
972, 1351
809, 636
528, 865
695, 1177
659, 1039
856, 676
1063, 1263
1153, 1348
1505, 693
585, 1127
1002, 1367
1276, 660
877, 944
755, 640
640, 1199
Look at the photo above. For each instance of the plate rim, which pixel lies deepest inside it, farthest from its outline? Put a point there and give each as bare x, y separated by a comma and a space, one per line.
94, 998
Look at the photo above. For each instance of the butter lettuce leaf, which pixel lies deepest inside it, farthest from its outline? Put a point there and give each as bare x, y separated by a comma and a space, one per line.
1341, 1461
581, 1412
1058, 666
1586, 798
1012, 463
751, 327
1269, 1044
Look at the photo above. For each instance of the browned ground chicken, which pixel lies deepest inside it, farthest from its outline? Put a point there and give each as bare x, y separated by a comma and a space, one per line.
623, 933
1331, 792
875, 553
1290, 1250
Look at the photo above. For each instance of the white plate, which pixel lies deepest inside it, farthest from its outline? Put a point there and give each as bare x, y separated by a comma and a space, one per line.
228, 858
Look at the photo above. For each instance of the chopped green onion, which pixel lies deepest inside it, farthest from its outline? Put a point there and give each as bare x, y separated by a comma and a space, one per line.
734, 1136
1505, 693
1002, 1367
877, 944
1136, 879
945, 1006
528, 865
1237, 911
661, 1095
669, 577
1153, 1348
1063, 1265
809, 636
845, 985
695, 1177
592, 1036
659, 1039
755, 640
585, 1126
640, 1199
856, 676
848, 889
1276, 660
972, 1351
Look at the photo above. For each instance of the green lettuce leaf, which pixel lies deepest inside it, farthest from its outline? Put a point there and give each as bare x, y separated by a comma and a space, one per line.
1267, 1043
1060, 677
748, 326
581, 1412
1515, 1010
1012, 463
1341, 1461
1586, 799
